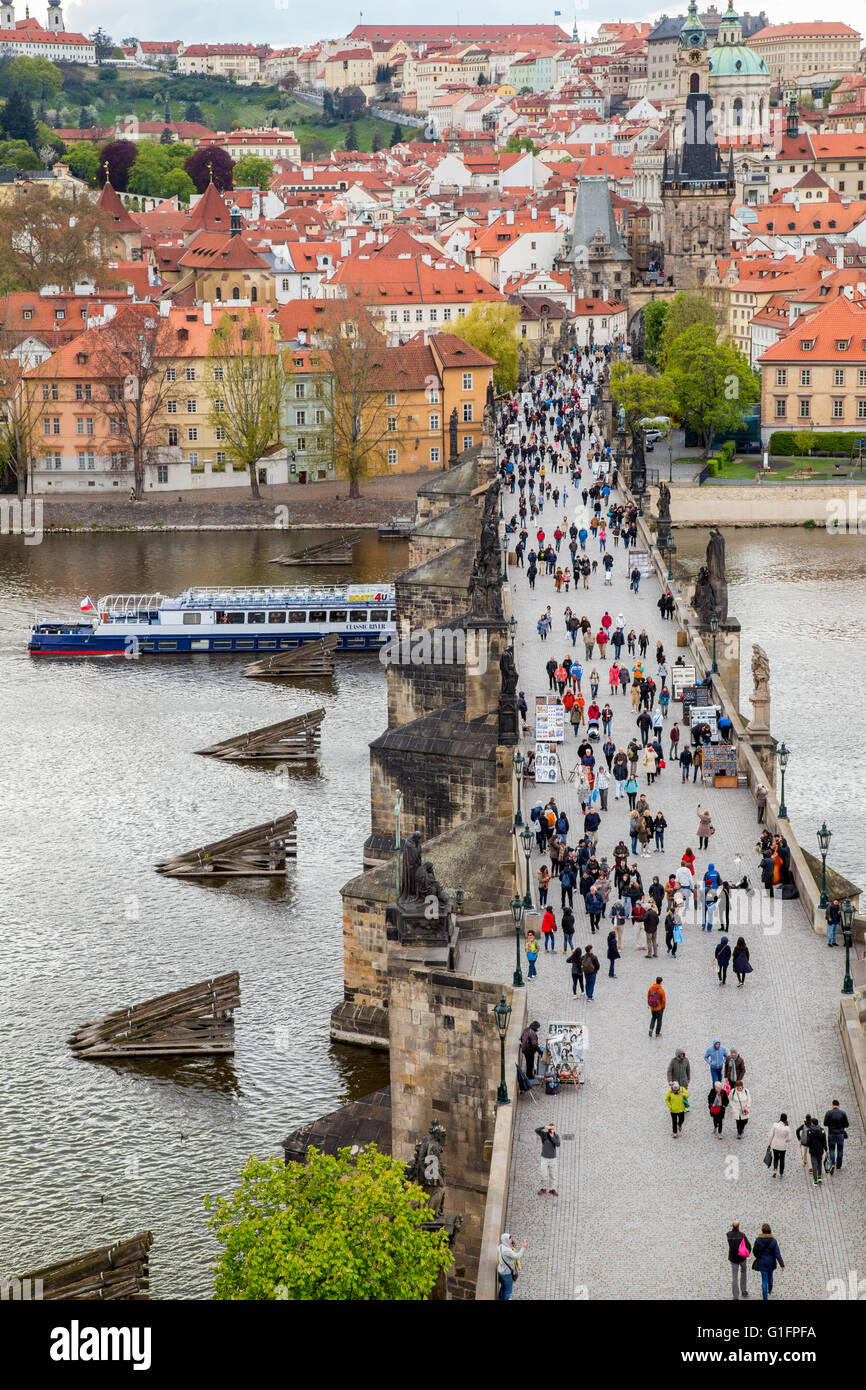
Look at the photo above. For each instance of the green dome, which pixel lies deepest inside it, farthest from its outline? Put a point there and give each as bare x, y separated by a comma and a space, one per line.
736, 60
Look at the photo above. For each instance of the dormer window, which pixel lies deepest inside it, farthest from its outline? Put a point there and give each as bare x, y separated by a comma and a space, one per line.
843, 344
807, 344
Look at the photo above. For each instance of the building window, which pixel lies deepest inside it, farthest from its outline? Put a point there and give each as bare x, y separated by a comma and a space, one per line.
285, 286
861, 410
300, 390
838, 408
301, 444
320, 417
392, 457
219, 433
419, 315
191, 405
434, 422
434, 314
805, 376
300, 417
193, 458
190, 373
113, 426
82, 393
468, 441
838, 376
172, 436
446, 315
391, 398
392, 424
162, 473
218, 373
781, 376
434, 455
467, 383
393, 315
781, 407
805, 407
461, 311
192, 434
171, 407
171, 374
220, 458
467, 412
407, 317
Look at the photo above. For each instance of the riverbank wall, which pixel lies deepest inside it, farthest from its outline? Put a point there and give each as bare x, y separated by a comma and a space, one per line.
833, 502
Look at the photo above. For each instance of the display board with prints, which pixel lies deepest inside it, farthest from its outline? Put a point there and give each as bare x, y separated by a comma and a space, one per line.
705, 714
641, 559
546, 763
549, 720
681, 676
690, 695
719, 759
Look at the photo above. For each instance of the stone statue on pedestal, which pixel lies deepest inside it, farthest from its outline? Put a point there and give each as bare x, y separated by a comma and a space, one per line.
716, 572
427, 1169
453, 450
760, 696
703, 601
664, 522
410, 867
509, 727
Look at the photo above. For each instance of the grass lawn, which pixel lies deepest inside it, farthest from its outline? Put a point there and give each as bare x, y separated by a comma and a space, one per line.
796, 470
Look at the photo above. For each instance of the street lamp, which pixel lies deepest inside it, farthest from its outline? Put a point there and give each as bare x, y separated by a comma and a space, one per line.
502, 1014
526, 841
824, 844
783, 754
501, 490
847, 926
714, 626
505, 559
517, 917
670, 551
512, 628
518, 760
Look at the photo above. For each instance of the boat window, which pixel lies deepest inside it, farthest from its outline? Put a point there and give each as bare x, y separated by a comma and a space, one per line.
378, 615
298, 615
358, 615
267, 642
276, 617
167, 646
244, 644
255, 617
191, 619
224, 616
393, 615
337, 615
222, 644
317, 615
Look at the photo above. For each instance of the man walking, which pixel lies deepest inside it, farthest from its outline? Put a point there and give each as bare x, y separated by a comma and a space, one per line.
529, 1047
834, 920
549, 1158
679, 1069
836, 1124
655, 998
715, 1057
651, 928
739, 1249
590, 966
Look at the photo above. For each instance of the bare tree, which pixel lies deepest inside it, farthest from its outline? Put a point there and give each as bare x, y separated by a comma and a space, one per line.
129, 357
246, 386
361, 403
48, 239
23, 402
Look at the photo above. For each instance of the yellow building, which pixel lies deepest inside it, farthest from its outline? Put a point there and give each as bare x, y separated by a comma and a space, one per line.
350, 67
795, 50
455, 66
814, 378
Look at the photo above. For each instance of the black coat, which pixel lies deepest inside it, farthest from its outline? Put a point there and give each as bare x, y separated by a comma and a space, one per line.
734, 1238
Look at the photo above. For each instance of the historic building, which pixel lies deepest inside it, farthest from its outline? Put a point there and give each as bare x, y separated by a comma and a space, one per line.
739, 85
599, 264
696, 188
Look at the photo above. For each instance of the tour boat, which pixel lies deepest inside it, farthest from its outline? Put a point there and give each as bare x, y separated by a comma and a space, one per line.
221, 620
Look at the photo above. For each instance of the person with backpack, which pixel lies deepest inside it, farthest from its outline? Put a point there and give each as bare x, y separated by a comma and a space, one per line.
507, 1265
655, 998
575, 960
723, 959
717, 1104
816, 1143
530, 1048
590, 967
836, 1125
767, 1257
739, 1248
566, 886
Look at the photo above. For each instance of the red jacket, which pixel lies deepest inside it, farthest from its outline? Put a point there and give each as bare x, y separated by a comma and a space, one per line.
548, 922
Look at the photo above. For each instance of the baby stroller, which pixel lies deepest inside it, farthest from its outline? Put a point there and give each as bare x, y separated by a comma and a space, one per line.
592, 732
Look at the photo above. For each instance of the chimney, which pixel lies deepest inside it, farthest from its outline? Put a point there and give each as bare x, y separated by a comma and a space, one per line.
840, 257
302, 337
164, 308
207, 315
533, 213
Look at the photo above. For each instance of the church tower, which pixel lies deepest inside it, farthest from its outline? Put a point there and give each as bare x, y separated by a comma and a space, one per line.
55, 17
7, 15
692, 69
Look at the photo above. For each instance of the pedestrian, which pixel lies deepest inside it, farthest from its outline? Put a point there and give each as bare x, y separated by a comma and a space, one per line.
834, 918
549, 1144
531, 953
802, 1133
679, 1069
613, 954
548, 930
566, 886
651, 927
741, 965
739, 1247
590, 967
655, 998
529, 1047
673, 933
631, 791
767, 1257
717, 1103
685, 761
714, 1057
567, 924
723, 959
575, 960
602, 786
816, 1142
650, 762
507, 1265
740, 1102
543, 875
761, 795
676, 1101
705, 828
777, 1144
594, 906
734, 1069
836, 1125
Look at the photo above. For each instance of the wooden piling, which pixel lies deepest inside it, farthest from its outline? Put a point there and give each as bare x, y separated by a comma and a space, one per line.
291, 740
117, 1271
309, 659
331, 552
189, 1022
263, 849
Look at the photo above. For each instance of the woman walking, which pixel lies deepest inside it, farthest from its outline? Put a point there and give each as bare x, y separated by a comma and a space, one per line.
676, 1101
659, 828
631, 789
543, 884
650, 762
803, 1137
705, 828
574, 960
508, 1265
717, 1103
613, 953
548, 930
741, 1103
531, 953
766, 1257
780, 1138
723, 959
742, 968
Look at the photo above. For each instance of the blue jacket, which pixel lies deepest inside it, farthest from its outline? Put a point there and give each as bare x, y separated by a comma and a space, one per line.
766, 1254
594, 902
715, 1056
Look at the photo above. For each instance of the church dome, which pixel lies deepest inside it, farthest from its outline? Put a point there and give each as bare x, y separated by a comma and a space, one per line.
736, 60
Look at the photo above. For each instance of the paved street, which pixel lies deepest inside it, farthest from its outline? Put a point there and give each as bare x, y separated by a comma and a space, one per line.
639, 1215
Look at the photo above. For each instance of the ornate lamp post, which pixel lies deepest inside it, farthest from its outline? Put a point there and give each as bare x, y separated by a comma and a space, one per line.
512, 628
824, 844
670, 551
501, 512
783, 754
502, 1014
714, 626
847, 928
526, 841
518, 762
517, 917
505, 559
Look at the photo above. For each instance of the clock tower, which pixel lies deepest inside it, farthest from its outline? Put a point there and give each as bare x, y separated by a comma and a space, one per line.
692, 66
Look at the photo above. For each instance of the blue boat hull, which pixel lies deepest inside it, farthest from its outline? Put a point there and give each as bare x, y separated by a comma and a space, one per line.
103, 645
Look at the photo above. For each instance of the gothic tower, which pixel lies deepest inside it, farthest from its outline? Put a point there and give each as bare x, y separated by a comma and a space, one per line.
7, 15
55, 17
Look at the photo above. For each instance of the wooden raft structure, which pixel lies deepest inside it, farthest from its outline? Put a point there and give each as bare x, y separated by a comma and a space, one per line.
118, 1271
264, 849
334, 552
189, 1022
309, 659
291, 740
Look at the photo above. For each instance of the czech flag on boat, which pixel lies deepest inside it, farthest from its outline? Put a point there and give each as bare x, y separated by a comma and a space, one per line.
87, 605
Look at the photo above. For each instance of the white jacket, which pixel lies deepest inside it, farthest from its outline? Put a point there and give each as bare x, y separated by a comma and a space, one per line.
740, 1103
780, 1136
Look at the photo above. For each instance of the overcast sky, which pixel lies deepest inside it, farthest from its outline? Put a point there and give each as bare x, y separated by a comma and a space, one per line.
284, 22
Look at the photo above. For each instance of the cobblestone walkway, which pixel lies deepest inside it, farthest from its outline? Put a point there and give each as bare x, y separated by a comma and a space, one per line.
639, 1215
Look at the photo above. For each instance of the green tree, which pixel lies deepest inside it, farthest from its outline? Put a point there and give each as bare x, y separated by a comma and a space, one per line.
328, 112
684, 310
17, 121
640, 394
492, 329
193, 112
654, 319
376, 143
351, 140
396, 135
20, 154
148, 173
103, 43
711, 384
178, 184
252, 171
341, 1229
83, 160
36, 78
166, 137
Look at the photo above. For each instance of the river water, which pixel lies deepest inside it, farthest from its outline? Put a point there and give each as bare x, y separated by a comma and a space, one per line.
801, 594
100, 782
